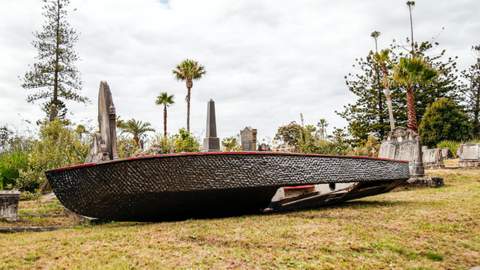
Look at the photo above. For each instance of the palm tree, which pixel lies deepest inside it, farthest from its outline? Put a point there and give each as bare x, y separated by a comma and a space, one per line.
410, 5
410, 73
137, 129
375, 35
189, 70
383, 60
166, 100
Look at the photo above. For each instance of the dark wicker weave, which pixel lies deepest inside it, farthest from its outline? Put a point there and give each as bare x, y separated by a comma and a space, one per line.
202, 184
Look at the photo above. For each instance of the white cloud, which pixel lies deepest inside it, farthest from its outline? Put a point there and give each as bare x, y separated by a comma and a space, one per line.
266, 61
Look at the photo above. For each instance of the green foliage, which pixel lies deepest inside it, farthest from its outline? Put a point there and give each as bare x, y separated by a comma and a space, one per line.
162, 145
126, 147
11, 163
444, 120
164, 99
189, 70
451, 145
231, 144
471, 93
411, 71
54, 75
310, 139
184, 141
363, 115
370, 147
291, 134
137, 129
58, 145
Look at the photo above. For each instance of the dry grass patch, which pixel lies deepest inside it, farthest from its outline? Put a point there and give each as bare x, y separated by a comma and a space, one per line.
410, 229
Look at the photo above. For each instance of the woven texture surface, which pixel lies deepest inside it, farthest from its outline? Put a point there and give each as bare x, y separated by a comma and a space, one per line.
197, 185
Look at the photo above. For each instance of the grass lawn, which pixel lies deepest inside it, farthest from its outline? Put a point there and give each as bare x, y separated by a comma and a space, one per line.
409, 229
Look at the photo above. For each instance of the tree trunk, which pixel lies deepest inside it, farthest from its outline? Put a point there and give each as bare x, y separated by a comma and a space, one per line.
380, 109
189, 87
53, 110
476, 114
165, 121
388, 97
412, 116
136, 139
411, 29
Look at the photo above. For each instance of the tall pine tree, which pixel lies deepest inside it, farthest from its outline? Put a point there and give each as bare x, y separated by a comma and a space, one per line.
54, 76
363, 115
471, 92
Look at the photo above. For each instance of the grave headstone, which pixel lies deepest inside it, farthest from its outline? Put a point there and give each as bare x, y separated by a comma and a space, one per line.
211, 143
404, 144
104, 145
446, 153
248, 138
469, 155
433, 158
9, 205
264, 147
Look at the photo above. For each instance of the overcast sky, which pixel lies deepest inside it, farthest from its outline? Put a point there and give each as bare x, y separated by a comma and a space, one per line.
267, 61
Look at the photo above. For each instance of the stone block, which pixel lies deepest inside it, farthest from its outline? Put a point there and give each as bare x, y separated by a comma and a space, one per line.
433, 158
248, 139
9, 205
469, 155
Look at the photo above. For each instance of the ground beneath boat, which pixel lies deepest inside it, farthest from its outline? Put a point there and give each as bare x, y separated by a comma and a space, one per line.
429, 228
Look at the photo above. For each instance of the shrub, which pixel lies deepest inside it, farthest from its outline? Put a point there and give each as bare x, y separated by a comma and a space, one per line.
58, 145
444, 120
231, 144
451, 145
185, 142
11, 164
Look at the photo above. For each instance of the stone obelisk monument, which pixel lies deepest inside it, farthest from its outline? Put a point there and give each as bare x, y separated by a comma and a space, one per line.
104, 145
211, 143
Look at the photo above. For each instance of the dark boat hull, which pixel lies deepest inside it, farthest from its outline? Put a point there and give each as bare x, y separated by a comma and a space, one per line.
204, 184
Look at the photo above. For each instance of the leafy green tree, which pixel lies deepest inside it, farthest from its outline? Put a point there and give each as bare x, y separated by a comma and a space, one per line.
362, 114
230, 144
408, 73
58, 145
382, 59
444, 120
471, 92
185, 142
54, 75
165, 100
189, 70
291, 134
137, 129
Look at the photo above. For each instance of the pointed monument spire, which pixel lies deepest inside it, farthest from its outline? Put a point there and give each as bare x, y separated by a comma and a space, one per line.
211, 143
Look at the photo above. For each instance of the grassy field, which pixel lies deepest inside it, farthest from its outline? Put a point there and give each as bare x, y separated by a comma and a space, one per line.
409, 229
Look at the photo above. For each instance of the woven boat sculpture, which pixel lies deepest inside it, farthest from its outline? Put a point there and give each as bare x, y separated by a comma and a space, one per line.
205, 184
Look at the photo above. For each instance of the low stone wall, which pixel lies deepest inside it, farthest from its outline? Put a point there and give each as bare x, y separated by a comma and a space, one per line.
9, 205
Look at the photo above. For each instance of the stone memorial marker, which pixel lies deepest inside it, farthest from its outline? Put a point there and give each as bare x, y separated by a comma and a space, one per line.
248, 138
264, 147
446, 153
433, 158
9, 205
469, 155
211, 143
104, 145
404, 144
